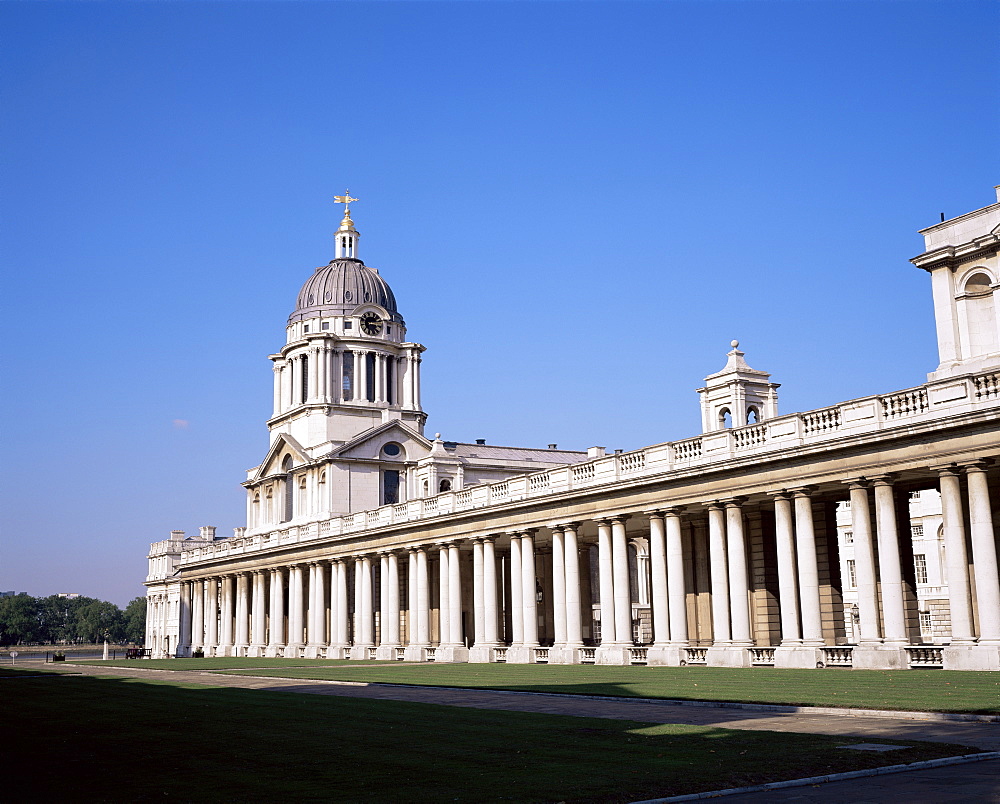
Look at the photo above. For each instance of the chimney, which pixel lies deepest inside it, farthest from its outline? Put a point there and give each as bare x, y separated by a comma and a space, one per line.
553, 446
207, 532
481, 441
596, 452
618, 452
176, 535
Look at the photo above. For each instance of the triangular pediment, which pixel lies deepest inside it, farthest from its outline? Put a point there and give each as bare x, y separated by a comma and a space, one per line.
283, 445
371, 443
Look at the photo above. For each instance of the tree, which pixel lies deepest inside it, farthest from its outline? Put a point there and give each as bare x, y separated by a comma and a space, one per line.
135, 621
19, 620
98, 620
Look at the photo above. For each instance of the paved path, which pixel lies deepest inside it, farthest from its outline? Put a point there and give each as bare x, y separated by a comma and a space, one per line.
976, 782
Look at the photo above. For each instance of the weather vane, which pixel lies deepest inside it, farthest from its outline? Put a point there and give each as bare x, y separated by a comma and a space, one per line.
346, 200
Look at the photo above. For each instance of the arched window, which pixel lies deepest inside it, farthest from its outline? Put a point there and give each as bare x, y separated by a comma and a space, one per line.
752, 415
980, 314
725, 418
427, 488
289, 491
444, 485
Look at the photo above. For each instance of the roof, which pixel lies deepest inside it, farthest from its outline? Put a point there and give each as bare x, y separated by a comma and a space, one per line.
339, 288
489, 452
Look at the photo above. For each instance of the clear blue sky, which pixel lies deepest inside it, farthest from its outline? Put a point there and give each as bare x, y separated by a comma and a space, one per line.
577, 204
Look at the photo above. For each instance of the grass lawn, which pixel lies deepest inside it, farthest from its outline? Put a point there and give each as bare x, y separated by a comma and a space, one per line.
127, 739
215, 664
920, 690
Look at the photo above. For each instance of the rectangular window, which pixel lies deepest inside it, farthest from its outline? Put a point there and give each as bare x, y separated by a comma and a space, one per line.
390, 487
914, 495
348, 325
917, 531
325, 325
305, 379
848, 537
925, 622
347, 377
390, 374
920, 565
852, 578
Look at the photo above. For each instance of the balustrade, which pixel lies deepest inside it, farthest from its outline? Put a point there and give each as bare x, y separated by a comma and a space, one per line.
906, 403
638, 655
687, 450
539, 482
696, 655
987, 386
762, 656
499, 491
841, 656
821, 421
541, 655
747, 437
500, 655
924, 656
583, 473
588, 656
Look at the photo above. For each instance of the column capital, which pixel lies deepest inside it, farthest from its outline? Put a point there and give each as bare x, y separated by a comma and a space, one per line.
886, 479
610, 518
563, 525
734, 502
781, 494
946, 468
856, 482
980, 465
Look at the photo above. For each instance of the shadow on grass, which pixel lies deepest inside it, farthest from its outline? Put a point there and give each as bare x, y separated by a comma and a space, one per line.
136, 740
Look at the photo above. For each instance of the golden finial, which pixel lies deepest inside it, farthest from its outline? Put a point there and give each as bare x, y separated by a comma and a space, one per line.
346, 200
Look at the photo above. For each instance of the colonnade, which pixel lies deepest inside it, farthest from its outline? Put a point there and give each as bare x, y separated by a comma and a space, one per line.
533, 594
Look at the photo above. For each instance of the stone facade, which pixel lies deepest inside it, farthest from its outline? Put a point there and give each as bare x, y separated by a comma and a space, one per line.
863, 534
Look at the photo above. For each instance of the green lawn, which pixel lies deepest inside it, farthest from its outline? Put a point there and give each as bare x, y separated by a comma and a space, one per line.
128, 739
215, 664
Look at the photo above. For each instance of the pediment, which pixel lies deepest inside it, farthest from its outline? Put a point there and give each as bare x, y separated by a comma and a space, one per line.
283, 446
369, 445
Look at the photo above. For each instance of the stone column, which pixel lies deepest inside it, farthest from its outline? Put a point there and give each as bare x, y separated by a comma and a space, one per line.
676, 587
607, 583
296, 607
658, 577
423, 599
455, 596
516, 594
242, 634
984, 557
276, 638
184, 620
719, 564
197, 615
317, 609
574, 615
739, 586
444, 599
478, 594
365, 611
623, 598
489, 593
339, 609
558, 588
212, 616
258, 617
389, 607
890, 571
788, 593
226, 616
528, 603
956, 558
864, 564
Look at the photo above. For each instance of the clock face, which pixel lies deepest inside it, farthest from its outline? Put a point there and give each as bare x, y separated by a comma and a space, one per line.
371, 324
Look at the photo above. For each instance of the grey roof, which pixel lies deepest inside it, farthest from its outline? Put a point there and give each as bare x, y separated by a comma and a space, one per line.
489, 452
339, 287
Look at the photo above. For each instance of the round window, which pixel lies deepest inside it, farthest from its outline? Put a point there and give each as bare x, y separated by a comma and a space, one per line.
391, 449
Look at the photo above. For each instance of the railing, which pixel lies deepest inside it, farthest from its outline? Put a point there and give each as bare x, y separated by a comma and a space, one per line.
923, 656
840, 656
539, 482
500, 655
638, 655
588, 655
907, 403
430, 654
747, 437
371, 654
859, 416
632, 462
687, 450
541, 655
400, 654
696, 655
762, 656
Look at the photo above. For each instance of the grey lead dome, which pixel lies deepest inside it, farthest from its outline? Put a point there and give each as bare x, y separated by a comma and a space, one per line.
340, 287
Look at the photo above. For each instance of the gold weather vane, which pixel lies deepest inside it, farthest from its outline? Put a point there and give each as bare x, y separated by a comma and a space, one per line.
346, 200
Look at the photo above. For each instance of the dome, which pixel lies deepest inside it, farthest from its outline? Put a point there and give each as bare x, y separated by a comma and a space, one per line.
340, 288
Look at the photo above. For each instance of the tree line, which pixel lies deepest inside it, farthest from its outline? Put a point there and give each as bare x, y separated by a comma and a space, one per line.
66, 621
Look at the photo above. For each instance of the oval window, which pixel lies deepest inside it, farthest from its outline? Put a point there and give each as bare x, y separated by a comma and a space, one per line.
391, 449
311, 299
347, 295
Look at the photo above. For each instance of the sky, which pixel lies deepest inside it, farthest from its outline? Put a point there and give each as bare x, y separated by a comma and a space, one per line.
577, 204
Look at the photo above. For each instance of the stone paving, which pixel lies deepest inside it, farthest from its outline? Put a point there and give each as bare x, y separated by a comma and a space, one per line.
974, 782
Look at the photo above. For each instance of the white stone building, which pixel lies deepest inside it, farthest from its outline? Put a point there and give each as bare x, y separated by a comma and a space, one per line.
863, 534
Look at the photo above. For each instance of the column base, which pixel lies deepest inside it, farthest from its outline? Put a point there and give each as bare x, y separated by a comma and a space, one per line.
224, 650
256, 651
359, 653
798, 657
415, 653
240, 650
452, 654
879, 657
311, 652
386, 653
565, 655
972, 657
296, 651
482, 654
727, 656
274, 651
611, 654
666, 655
337, 652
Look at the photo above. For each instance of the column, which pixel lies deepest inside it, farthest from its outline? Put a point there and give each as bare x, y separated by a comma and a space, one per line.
277, 608
956, 557
739, 587
658, 575
406, 382
444, 600
363, 376
258, 617
788, 593
529, 606
242, 634
184, 621
212, 614
984, 554
339, 609
808, 569
490, 613
607, 592
412, 597
296, 606
516, 592
383, 594
454, 595
864, 563
623, 599
890, 571
390, 615
317, 632
423, 599
719, 565
571, 561
365, 609
676, 590
478, 594
558, 587
276, 400
197, 614
226, 615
